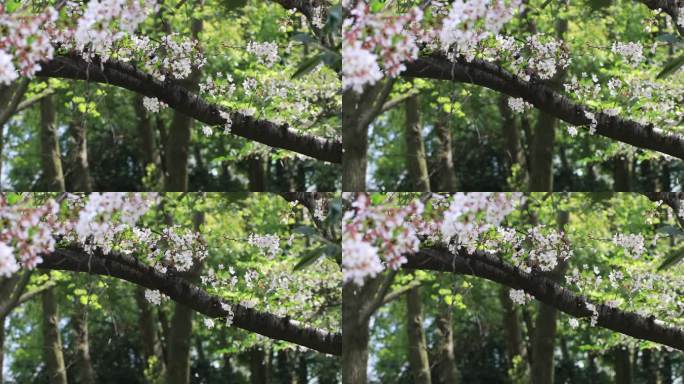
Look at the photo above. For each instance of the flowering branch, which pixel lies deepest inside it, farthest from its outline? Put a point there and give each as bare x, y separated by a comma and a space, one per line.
128, 268
494, 77
546, 291
127, 76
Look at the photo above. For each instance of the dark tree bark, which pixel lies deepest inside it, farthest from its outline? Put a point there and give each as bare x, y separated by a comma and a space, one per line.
417, 345
541, 159
355, 335
52, 341
50, 153
2, 347
258, 172
83, 364
258, 366
491, 267
302, 369
79, 158
180, 290
419, 180
286, 367
622, 174
150, 344
513, 140
444, 158
446, 366
648, 366
513, 334
623, 366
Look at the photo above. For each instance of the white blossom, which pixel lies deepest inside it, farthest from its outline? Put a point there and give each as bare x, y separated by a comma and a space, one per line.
360, 67
573, 323
632, 52
209, 323
8, 263
153, 296
519, 296
360, 260
153, 104
518, 105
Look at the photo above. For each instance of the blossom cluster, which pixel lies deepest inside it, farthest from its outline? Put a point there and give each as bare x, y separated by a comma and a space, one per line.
633, 244
24, 42
518, 105
266, 52
153, 104
632, 52
270, 243
518, 296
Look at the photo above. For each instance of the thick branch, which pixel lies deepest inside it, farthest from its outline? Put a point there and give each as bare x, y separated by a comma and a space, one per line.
546, 291
546, 99
183, 292
127, 76
668, 6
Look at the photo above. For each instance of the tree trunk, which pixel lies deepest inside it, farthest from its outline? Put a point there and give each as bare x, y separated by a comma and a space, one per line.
518, 367
178, 140
286, 367
623, 367
83, 363
648, 367
419, 180
543, 346
257, 366
302, 369
258, 172
180, 332
418, 354
354, 336
511, 132
541, 177
622, 174
149, 153
81, 169
52, 342
53, 176
355, 143
150, 346
446, 173
446, 367
666, 370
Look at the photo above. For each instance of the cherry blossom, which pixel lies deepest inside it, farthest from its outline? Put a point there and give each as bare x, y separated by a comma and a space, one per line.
519, 296
518, 105
8, 263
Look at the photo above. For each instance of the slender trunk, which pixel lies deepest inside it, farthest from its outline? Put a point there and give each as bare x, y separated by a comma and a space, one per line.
622, 174
446, 367
257, 366
665, 371
623, 367
355, 337
648, 367
541, 177
150, 345
512, 137
518, 367
180, 332
258, 172
178, 140
419, 180
286, 367
446, 173
543, 346
355, 142
302, 369
50, 154
83, 364
418, 354
227, 368
79, 148
148, 141
52, 342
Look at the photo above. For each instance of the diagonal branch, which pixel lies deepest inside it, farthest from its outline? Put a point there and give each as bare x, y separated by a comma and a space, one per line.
494, 77
547, 291
127, 76
183, 292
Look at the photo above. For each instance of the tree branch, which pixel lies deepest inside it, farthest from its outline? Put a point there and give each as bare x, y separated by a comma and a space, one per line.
183, 292
494, 77
547, 291
668, 6
127, 76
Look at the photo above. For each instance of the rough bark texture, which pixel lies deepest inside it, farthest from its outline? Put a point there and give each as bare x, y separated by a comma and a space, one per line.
446, 366
82, 181
492, 268
355, 334
445, 171
258, 172
419, 179
84, 367
543, 97
50, 154
180, 290
52, 341
623, 366
622, 174
541, 158
417, 345
177, 97
150, 345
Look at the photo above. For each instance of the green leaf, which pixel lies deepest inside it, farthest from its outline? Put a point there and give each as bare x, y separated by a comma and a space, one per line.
670, 230
308, 65
310, 257
674, 258
671, 67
